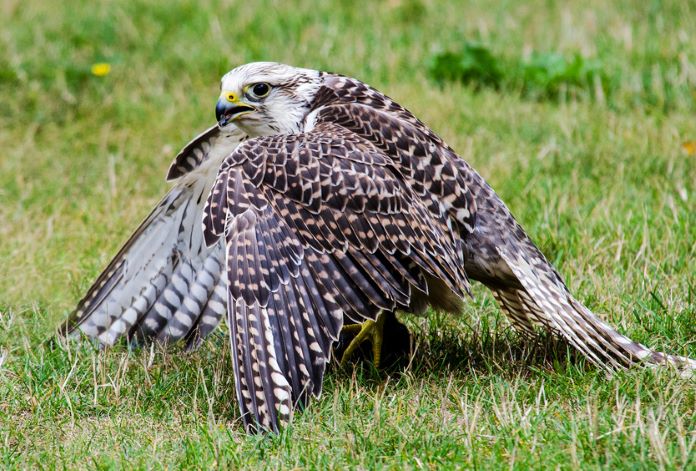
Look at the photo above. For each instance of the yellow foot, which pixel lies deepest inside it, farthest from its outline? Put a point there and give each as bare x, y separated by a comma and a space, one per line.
368, 330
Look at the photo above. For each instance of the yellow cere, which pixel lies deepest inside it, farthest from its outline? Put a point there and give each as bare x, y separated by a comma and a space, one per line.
229, 96
101, 69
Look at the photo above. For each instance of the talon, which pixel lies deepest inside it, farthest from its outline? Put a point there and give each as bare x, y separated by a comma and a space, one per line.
390, 341
368, 330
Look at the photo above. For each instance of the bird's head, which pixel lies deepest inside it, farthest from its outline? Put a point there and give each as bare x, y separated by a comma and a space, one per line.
265, 98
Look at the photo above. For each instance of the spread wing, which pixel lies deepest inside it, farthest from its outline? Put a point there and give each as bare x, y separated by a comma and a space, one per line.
164, 283
317, 226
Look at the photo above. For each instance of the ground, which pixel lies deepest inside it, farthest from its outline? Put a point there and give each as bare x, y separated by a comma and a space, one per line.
97, 97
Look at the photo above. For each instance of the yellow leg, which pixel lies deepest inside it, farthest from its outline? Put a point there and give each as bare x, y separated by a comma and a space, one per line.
368, 330
352, 328
377, 337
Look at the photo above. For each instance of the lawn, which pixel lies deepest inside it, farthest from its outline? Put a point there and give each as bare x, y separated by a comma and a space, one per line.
596, 161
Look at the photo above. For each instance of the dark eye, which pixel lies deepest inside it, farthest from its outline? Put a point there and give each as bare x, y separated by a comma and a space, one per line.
260, 90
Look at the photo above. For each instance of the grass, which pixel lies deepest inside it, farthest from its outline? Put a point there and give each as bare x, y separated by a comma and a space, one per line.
605, 187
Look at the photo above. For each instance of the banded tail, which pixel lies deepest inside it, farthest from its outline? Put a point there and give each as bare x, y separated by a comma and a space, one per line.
534, 296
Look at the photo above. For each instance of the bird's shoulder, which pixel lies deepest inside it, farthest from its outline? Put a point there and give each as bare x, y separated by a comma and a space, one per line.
427, 163
326, 141
340, 92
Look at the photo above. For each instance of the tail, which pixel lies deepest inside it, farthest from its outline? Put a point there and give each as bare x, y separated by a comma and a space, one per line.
164, 284
533, 294
542, 299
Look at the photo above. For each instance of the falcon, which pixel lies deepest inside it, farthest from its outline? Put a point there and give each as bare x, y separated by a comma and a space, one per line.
316, 202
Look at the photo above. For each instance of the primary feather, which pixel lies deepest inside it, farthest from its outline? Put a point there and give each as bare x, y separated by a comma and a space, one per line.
165, 283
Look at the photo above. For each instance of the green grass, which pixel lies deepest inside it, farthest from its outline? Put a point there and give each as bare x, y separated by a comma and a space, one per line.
602, 185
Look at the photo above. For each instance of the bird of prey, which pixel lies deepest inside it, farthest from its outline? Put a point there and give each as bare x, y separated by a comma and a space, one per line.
323, 202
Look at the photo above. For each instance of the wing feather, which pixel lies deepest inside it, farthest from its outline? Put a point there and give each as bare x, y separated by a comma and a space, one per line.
429, 165
211, 144
194, 298
338, 235
210, 316
165, 260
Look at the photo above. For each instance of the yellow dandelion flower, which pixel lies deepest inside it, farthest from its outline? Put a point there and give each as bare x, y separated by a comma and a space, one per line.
101, 69
689, 147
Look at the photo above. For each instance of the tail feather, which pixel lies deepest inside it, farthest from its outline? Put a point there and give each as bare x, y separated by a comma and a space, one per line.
516, 309
544, 300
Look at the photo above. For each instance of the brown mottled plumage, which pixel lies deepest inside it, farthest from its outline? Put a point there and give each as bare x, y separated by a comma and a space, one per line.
333, 204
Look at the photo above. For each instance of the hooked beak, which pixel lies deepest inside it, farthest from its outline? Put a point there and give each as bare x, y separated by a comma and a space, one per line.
229, 108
